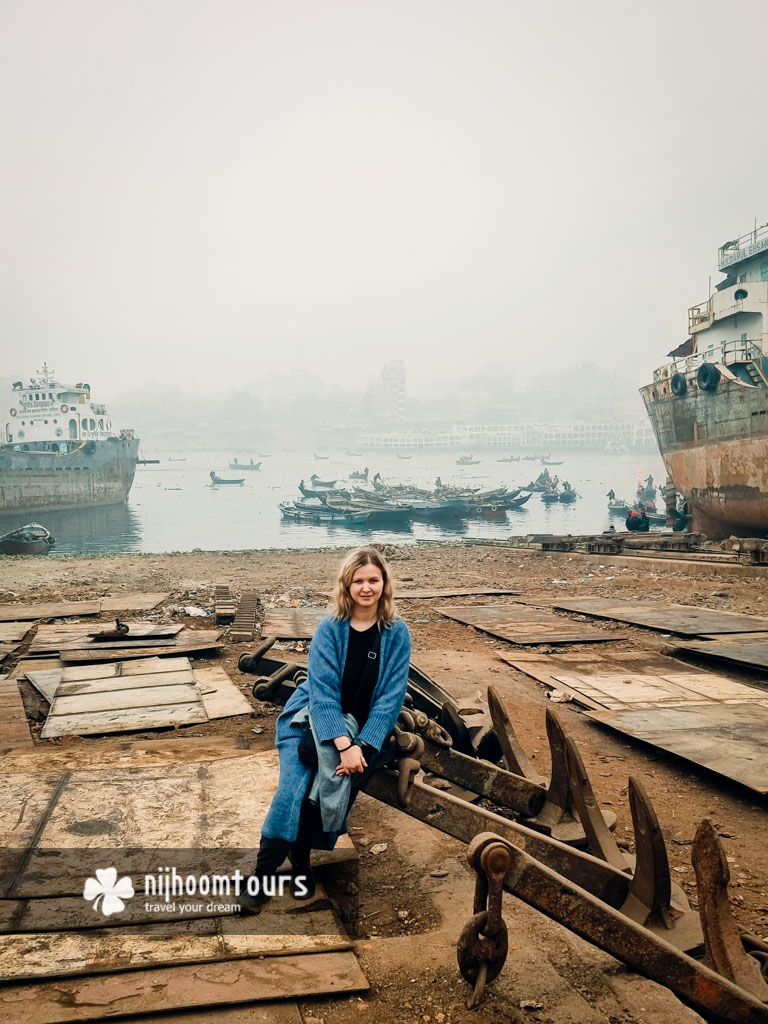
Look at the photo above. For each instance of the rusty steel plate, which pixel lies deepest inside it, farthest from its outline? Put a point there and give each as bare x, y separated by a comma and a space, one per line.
525, 625
751, 653
669, 618
292, 623
725, 738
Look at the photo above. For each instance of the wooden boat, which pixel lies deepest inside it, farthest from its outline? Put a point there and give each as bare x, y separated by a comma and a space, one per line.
568, 496
172, 459
400, 456
360, 474
322, 516
535, 487
617, 507
220, 480
317, 482
32, 539
550, 497
147, 462
510, 458
467, 460
234, 464
321, 456
551, 462
519, 502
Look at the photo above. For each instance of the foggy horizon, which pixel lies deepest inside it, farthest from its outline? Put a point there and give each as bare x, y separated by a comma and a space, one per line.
208, 195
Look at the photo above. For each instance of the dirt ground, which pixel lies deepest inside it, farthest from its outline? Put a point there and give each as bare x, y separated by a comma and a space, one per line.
416, 896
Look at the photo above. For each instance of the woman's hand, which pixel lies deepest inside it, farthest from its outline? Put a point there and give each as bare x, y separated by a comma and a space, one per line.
352, 761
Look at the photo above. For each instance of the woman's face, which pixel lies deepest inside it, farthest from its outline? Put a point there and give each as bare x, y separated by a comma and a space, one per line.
366, 586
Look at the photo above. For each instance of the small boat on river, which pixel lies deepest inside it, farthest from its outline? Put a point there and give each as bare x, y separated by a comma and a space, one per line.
510, 458
32, 539
322, 515
216, 480
550, 497
234, 464
467, 460
317, 482
568, 495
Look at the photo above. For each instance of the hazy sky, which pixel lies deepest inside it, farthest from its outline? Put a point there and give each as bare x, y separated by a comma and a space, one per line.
213, 190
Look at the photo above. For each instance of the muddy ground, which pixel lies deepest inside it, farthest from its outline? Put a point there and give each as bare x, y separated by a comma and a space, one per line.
415, 897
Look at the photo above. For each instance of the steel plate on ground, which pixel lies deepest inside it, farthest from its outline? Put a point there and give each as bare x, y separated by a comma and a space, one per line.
750, 653
669, 618
525, 625
725, 738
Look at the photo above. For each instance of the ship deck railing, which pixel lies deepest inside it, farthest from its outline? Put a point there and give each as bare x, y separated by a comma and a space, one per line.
727, 353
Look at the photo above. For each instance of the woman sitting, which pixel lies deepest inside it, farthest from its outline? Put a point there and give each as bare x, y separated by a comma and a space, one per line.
357, 678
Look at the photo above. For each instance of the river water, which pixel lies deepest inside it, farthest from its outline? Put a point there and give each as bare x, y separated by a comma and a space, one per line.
173, 507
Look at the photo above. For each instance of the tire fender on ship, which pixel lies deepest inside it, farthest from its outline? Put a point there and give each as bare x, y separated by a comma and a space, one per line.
679, 384
90, 447
708, 377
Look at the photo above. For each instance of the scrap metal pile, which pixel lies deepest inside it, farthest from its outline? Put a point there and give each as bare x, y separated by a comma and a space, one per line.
547, 842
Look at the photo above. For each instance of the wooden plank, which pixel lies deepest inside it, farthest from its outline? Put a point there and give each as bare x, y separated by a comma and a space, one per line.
160, 942
156, 649
51, 638
269, 1012
13, 632
145, 667
14, 727
84, 703
136, 601
50, 610
292, 623
125, 720
164, 803
46, 682
523, 625
170, 988
726, 738
750, 653
120, 752
674, 618
221, 698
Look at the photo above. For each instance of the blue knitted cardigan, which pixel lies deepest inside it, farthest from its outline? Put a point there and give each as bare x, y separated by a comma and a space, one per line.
322, 692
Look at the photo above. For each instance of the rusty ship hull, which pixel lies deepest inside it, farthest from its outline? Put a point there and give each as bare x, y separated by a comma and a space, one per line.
715, 448
98, 473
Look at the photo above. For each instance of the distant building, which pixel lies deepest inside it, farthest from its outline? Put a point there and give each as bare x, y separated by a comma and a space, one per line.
387, 394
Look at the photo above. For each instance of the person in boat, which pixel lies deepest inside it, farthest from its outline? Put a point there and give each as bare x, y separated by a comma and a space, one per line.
438, 483
632, 523
566, 486
344, 713
643, 521
611, 495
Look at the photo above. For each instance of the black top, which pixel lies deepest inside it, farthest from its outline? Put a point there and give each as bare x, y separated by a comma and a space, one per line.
361, 674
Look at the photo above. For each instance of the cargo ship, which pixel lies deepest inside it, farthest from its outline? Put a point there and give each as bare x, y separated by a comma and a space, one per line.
709, 406
60, 450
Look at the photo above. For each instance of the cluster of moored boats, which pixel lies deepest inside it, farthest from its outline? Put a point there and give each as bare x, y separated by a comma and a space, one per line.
324, 502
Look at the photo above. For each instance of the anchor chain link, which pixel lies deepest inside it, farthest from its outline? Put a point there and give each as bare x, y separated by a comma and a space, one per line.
483, 944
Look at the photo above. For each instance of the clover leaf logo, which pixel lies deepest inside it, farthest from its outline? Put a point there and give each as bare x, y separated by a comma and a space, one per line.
109, 890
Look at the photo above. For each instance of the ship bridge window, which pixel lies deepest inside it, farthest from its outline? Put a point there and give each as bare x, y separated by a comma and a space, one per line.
741, 293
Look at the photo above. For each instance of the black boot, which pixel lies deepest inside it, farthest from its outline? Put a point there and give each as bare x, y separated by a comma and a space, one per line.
272, 853
299, 858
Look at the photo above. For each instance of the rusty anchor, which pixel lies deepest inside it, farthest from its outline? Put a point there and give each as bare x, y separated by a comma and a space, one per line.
731, 991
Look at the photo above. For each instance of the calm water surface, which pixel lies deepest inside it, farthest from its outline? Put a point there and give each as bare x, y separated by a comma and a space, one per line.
172, 506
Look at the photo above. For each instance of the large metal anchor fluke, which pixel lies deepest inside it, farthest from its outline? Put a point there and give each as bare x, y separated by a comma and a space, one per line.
716, 997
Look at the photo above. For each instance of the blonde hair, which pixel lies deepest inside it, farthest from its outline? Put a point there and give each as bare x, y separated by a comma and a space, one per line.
341, 601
